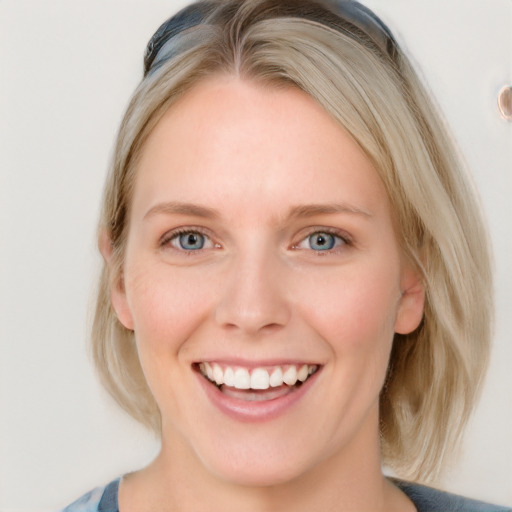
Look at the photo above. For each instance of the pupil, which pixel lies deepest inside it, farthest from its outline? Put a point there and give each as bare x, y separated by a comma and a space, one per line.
322, 241
191, 241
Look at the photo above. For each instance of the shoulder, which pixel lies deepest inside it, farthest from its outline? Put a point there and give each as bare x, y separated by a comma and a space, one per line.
427, 499
101, 499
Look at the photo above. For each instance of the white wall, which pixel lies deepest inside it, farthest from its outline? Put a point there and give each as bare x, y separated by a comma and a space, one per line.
67, 70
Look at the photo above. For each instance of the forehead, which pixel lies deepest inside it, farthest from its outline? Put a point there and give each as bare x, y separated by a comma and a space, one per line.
229, 139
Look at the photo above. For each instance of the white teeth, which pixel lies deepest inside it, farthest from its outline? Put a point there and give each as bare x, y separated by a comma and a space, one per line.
290, 376
303, 373
218, 375
242, 379
209, 371
260, 379
229, 377
276, 379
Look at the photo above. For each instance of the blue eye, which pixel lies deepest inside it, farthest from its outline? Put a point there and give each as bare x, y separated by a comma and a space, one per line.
189, 241
322, 241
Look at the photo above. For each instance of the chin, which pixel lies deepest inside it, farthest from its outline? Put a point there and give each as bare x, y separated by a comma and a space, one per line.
258, 465
262, 474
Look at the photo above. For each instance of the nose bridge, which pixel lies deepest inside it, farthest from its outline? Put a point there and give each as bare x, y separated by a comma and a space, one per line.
253, 297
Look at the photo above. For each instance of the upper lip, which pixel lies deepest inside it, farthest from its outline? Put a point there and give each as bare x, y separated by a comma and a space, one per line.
251, 364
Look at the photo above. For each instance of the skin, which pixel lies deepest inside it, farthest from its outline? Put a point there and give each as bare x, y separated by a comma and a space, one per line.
255, 160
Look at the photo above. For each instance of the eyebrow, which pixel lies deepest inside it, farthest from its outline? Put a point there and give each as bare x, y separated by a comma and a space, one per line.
310, 210
175, 207
301, 211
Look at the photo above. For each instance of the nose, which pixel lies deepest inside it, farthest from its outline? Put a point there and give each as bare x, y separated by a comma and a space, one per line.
254, 296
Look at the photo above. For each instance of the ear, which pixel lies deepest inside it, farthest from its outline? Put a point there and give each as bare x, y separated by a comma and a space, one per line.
412, 301
118, 296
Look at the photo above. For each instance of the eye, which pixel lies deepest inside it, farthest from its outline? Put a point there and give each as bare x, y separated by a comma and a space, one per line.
321, 241
189, 240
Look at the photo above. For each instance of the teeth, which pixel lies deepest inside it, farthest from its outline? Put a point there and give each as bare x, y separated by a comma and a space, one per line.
242, 379
229, 377
276, 379
290, 376
218, 375
303, 373
209, 371
258, 378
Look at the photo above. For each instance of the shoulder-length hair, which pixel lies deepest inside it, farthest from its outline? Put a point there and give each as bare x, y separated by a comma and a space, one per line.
345, 58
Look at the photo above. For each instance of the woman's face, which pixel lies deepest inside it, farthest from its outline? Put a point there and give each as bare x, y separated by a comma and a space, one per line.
260, 251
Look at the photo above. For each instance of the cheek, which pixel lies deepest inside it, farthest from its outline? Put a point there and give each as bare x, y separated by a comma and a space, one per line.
354, 316
167, 305
354, 311
167, 308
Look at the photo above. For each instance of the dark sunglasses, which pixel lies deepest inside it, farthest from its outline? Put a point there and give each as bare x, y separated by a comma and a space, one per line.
348, 16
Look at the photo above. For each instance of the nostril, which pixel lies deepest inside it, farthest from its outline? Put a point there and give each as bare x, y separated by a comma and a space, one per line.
271, 327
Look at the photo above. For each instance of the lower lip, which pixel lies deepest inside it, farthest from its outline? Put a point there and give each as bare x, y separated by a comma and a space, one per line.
254, 411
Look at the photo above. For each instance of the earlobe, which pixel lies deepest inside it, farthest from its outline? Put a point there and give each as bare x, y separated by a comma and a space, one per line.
411, 303
118, 296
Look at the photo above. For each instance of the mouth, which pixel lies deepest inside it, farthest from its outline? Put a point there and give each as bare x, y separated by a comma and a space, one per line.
256, 384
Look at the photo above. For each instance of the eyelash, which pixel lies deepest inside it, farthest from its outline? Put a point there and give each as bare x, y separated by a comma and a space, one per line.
169, 237
345, 239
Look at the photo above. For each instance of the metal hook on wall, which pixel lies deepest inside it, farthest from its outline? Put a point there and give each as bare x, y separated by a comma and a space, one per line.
505, 102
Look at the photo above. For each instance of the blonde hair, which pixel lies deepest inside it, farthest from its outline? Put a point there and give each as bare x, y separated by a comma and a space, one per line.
370, 88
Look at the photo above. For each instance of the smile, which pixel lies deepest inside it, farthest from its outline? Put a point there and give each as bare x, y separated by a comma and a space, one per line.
260, 378
260, 393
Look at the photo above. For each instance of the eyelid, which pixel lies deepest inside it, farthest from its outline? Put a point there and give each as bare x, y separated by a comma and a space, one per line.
166, 239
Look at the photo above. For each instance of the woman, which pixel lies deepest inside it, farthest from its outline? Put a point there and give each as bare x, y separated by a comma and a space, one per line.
295, 289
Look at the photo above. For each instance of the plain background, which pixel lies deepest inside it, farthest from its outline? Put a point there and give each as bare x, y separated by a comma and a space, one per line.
67, 70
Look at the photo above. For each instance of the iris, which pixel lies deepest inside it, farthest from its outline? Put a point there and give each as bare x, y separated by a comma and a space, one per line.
191, 241
322, 241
